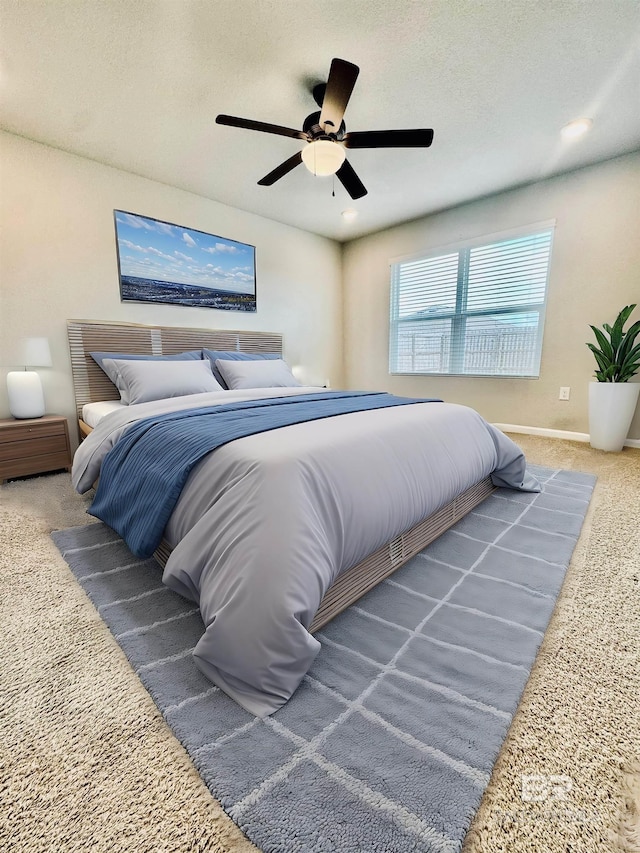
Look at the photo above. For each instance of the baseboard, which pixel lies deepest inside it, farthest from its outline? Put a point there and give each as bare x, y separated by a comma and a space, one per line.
557, 433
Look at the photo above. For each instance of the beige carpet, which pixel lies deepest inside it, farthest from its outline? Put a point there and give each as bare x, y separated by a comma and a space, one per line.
87, 763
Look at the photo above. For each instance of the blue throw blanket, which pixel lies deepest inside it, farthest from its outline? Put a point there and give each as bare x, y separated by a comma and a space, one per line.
142, 476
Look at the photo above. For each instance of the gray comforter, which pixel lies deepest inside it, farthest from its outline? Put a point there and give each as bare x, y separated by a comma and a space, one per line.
266, 523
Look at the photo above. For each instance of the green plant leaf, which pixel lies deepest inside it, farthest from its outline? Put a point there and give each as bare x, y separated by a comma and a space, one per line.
618, 358
634, 353
629, 339
600, 358
616, 333
628, 372
626, 312
605, 346
632, 356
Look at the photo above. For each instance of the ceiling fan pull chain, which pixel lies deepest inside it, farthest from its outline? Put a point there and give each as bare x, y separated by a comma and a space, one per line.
333, 185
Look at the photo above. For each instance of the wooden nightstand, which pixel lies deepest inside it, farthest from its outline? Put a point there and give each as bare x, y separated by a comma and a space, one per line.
33, 446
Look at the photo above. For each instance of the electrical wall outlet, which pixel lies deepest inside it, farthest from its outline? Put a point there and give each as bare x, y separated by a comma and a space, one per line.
564, 393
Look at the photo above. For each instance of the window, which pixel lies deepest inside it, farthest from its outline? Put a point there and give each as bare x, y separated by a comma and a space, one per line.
475, 311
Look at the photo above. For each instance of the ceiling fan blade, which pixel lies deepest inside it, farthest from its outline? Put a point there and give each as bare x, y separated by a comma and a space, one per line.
342, 79
350, 181
247, 123
389, 139
281, 170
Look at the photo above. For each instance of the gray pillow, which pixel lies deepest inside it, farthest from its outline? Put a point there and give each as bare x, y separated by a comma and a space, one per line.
233, 355
101, 357
141, 381
273, 373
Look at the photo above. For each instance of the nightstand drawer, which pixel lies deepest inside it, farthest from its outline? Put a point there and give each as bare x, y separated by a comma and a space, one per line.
32, 430
34, 465
33, 446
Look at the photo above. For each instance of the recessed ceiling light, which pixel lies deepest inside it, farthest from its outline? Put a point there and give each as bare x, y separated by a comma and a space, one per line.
576, 128
350, 214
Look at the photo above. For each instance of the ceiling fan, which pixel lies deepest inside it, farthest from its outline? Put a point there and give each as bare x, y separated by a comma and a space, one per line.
326, 136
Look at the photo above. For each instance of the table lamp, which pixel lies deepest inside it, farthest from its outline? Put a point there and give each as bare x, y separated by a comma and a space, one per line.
26, 399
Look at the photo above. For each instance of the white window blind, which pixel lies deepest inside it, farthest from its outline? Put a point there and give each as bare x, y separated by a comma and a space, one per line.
475, 311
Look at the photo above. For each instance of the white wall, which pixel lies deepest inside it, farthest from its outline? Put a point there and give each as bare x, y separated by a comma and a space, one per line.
58, 262
595, 271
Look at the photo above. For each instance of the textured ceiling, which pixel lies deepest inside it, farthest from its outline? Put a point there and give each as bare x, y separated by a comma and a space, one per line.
137, 84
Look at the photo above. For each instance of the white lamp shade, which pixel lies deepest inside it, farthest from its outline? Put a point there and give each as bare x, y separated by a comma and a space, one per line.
26, 399
323, 157
36, 352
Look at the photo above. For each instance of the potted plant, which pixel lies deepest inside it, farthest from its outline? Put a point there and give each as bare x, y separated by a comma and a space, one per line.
612, 398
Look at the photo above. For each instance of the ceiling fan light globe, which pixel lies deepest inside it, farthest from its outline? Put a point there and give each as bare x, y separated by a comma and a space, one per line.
323, 157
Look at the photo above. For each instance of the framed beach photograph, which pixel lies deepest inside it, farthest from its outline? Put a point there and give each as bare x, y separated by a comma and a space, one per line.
162, 262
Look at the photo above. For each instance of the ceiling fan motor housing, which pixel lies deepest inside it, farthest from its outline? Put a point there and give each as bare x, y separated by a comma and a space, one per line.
312, 127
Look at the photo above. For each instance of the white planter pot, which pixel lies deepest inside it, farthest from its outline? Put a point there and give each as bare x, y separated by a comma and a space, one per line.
611, 409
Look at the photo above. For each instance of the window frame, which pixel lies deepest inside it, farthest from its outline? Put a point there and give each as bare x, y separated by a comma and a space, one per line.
458, 316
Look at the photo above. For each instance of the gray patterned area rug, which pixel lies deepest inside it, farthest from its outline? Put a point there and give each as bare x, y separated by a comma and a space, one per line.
389, 742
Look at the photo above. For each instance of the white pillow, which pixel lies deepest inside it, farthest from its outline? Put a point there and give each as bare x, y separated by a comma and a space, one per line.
142, 381
264, 373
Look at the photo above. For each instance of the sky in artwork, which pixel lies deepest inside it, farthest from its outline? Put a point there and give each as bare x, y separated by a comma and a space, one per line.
161, 251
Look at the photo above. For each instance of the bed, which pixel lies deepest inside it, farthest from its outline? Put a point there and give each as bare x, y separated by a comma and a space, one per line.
277, 532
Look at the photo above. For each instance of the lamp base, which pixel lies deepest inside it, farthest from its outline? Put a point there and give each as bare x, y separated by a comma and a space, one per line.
26, 399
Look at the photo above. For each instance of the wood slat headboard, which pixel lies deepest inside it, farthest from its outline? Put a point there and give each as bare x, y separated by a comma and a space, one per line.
91, 384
